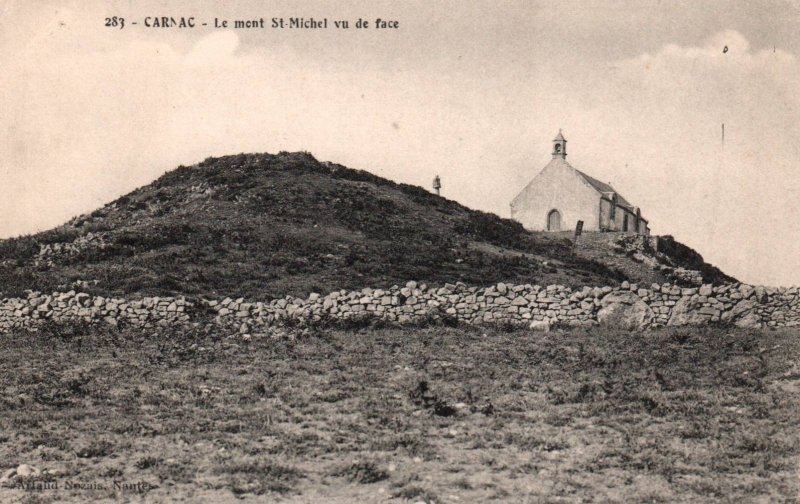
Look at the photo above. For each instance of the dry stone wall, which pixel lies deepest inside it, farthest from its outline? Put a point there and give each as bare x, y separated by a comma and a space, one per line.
629, 306
51, 252
78, 306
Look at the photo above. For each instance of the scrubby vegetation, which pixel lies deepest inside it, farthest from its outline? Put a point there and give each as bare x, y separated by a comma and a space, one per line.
689, 258
440, 414
261, 225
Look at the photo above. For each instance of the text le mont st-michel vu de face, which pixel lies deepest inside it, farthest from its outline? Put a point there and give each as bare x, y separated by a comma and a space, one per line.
278, 23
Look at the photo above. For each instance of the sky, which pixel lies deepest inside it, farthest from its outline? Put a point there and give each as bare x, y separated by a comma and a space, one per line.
471, 91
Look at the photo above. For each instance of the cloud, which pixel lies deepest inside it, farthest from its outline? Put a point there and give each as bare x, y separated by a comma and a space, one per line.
736, 201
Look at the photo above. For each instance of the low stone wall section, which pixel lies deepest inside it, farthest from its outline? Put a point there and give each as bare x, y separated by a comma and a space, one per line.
79, 306
629, 306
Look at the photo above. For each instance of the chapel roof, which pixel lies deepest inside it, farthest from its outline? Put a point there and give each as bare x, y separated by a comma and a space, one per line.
605, 188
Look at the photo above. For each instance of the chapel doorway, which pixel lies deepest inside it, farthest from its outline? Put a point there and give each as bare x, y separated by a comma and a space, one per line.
554, 221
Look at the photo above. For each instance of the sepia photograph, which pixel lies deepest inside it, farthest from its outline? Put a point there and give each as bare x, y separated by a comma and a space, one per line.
399, 251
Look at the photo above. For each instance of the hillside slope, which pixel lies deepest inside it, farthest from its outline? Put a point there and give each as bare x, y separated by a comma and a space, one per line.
262, 226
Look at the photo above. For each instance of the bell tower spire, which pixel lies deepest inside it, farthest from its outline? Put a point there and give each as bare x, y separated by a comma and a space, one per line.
559, 146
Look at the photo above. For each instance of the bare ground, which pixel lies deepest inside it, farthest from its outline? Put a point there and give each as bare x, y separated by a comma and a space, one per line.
401, 415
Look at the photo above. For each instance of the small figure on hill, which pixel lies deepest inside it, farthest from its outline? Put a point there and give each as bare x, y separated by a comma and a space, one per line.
437, 184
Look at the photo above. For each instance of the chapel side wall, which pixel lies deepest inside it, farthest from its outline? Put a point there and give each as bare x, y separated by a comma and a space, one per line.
618, 218
618, 222
558, 188
605, 214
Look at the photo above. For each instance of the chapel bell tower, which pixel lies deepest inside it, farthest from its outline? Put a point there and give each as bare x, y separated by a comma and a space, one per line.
559, 146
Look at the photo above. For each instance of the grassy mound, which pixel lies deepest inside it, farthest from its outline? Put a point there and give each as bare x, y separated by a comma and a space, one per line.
262, 225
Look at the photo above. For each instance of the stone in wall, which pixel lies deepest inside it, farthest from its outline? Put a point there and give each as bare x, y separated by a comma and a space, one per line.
625, 310
743, 314
689, 311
